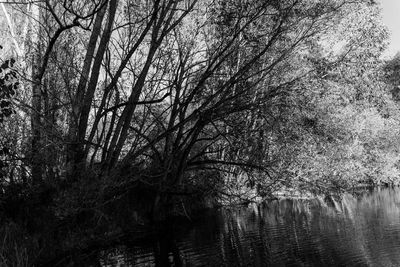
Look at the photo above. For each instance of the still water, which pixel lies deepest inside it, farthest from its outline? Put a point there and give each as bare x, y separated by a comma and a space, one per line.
359, 230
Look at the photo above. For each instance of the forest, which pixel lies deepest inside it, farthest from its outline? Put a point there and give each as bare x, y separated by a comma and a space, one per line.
121, 112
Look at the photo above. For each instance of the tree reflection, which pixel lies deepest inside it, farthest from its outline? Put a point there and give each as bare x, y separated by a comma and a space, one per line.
351, 230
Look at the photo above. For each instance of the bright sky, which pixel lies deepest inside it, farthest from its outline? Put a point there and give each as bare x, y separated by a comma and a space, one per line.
391, 17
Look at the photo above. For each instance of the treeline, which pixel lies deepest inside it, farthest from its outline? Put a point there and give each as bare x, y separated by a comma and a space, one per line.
214, 100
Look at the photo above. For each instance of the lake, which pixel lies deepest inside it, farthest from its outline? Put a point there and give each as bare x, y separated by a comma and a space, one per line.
361, 230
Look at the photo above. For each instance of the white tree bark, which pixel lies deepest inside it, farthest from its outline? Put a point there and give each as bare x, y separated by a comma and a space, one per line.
10, 26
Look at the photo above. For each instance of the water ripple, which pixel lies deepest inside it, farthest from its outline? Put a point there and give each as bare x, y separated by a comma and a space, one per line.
350, 231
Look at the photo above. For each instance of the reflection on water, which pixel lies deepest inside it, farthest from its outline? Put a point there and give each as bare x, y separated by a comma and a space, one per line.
352, 231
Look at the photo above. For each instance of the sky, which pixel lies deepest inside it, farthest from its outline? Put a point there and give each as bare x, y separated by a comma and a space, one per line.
391, 17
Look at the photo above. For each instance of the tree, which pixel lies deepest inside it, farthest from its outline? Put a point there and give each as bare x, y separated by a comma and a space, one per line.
174, 88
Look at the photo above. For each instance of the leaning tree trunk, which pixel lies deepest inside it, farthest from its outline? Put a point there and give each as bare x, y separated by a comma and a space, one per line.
77, 103
36, 159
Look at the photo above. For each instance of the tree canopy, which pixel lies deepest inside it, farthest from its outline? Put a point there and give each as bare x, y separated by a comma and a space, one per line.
261, 95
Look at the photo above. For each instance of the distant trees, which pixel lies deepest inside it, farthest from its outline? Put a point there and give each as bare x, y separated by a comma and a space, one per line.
347, 112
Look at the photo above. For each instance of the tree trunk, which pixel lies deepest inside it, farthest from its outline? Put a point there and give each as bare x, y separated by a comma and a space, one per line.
36, 123
77, 102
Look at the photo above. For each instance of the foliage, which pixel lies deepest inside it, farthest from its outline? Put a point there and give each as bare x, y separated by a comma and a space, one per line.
8, 86
265, 93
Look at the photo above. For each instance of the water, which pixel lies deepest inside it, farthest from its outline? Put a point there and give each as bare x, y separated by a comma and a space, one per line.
351, 231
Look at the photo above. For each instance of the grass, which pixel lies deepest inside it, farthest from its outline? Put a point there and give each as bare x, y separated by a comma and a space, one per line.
14, 250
